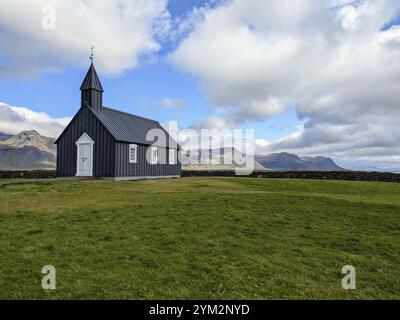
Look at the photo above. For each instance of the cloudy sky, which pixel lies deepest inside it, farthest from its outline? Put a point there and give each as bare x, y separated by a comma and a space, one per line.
317, 77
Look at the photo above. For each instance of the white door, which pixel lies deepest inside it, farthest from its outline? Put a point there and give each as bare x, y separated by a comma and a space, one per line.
84, 167
85, 160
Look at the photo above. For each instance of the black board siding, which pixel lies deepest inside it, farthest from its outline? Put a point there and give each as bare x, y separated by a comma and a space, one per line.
143, 168
103, 149
92, 98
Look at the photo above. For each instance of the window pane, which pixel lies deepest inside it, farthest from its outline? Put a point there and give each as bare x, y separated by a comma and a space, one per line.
132, 153
172, 157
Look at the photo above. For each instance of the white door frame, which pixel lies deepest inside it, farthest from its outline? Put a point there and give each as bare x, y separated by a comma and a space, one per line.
84, 140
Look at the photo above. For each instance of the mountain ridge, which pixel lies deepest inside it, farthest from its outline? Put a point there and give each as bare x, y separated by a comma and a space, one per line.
288, 161
274, 161
5, 136
27, 150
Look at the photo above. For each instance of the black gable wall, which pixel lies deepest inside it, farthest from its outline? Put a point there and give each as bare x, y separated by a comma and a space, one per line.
103, 148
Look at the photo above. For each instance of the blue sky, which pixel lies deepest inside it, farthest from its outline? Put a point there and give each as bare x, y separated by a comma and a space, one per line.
311, 78
149, 83
179, 7
137, 91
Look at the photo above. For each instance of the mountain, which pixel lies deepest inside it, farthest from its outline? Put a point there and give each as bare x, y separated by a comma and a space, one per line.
322, 164
287, 161
219, 159
29, 150
32, 139
5, 136
222, 159
26, 151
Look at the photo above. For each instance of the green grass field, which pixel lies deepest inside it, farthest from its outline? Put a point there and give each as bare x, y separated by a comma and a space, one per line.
200, 238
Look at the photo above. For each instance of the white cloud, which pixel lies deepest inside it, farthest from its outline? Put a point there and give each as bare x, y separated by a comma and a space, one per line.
330, 59
213, 122
172, 103
16, 119
348, 17
121, 31
390, 36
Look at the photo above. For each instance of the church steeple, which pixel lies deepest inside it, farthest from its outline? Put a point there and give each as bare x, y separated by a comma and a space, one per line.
92, 90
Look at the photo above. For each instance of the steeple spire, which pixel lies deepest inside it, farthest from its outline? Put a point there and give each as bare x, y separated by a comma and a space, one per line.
92, 80
92, 90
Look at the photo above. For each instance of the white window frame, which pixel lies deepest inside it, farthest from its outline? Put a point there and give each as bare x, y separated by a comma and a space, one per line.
133, 147
154, 159
172, 156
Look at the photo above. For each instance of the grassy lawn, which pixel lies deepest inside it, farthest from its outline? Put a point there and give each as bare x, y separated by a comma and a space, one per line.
200, 238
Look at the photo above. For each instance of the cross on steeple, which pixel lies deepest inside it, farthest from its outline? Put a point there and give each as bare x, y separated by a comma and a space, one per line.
92, 53
92, 90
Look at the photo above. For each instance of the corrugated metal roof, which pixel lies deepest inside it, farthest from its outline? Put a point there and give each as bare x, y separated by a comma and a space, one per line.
92, 80
130, 128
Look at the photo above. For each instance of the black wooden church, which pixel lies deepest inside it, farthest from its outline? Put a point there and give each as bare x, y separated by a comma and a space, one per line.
106, 143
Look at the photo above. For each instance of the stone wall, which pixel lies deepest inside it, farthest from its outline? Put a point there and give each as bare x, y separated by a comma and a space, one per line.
36, 174
321, 175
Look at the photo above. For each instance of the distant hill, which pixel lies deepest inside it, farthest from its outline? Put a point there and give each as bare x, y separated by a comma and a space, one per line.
287, 161
29, 150
5, 136
26, 151
275, 161
221, 159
